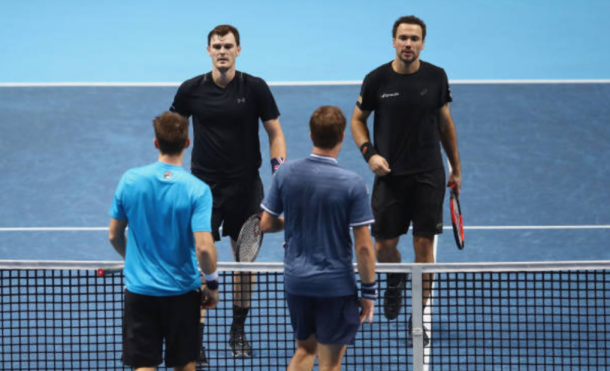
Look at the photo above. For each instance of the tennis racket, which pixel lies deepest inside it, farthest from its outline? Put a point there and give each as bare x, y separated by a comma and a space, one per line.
456, 218
249, 240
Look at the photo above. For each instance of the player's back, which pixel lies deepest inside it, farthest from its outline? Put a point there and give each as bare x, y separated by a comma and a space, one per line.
318, 197
159, 201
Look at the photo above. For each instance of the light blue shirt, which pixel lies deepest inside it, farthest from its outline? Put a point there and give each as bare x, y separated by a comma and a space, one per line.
320, 201
164, 205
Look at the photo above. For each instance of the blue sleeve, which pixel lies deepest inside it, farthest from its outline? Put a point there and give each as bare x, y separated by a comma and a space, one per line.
273, 200
360, 210
117, 210
201, 221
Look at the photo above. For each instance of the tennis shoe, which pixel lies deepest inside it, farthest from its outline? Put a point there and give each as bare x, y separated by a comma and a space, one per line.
239, 344
392, 298
410, 334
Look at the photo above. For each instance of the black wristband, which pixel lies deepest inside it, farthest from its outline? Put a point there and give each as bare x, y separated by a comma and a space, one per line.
367, 151
212, 285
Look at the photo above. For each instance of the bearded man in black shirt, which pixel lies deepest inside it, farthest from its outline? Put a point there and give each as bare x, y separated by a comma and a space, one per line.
410, 99
226, 106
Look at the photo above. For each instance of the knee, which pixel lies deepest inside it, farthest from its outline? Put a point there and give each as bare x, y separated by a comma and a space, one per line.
306, 352
424, 249
386, 249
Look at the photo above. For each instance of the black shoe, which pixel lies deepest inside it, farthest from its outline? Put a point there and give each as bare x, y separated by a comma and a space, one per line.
392, 298
203, 358
239, 344
410, 334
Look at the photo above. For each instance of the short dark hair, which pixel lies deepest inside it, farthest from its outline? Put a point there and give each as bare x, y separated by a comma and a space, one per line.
327, 125
223, 30
410, 19
172, 132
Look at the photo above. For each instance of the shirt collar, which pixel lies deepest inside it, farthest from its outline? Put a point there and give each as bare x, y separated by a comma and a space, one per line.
324, 158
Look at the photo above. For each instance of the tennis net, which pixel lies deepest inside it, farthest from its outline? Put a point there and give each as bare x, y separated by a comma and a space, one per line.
518, 316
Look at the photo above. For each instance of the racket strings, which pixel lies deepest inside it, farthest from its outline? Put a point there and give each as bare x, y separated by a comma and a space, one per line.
250, 238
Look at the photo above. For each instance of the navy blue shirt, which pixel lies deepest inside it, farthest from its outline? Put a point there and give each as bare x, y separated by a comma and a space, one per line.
320, 201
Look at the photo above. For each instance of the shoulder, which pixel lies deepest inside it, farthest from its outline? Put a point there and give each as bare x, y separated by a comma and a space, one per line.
352, 177
253, 81
136, 175
287, 167
379, 72
194, 82
353, 182
138, 172
195, 183
433, 70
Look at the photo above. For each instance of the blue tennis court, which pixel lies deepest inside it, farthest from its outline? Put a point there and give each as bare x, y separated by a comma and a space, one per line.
79, 87
535, 175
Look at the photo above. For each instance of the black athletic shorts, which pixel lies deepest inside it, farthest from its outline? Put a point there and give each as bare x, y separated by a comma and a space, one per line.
148, 320
235, 200
398, 201
334, 320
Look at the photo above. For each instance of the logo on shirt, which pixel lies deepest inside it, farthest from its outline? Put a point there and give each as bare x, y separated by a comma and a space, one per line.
389, 95
167, 175
240, 100
423, 92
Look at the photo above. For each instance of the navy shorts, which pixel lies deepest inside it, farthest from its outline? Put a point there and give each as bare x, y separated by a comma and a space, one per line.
398, 201
334, 320
148, 320
235, 200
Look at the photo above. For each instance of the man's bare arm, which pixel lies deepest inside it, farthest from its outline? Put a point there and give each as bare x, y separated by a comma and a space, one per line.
116, 235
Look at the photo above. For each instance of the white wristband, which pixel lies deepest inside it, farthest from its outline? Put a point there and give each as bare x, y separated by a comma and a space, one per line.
211, 277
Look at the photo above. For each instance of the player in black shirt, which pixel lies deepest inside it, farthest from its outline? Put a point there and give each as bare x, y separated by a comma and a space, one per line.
226, 106
410, 99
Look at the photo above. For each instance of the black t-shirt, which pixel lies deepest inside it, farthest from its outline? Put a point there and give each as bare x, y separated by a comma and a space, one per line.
406, 115
225, 123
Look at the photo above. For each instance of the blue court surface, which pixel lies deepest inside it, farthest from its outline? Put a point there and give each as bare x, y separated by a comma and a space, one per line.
534, 160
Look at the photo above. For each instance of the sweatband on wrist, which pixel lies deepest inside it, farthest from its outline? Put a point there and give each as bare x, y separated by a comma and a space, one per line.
276, 162
211, 277
368, 290
367, 151
212, 285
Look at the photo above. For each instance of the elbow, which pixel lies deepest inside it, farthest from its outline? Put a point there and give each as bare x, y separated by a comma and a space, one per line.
365, 252
355, 124
268, 223
203, 251
114, 237
265, 226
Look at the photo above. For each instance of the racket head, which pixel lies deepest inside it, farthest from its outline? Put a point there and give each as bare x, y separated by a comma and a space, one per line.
249, 241
456, 219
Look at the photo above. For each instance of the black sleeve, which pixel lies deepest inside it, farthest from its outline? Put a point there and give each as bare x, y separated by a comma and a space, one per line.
267, 108
445, 90
367, 93
181, 104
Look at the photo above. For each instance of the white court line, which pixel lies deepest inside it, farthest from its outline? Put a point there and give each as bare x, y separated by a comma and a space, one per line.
474, 227
526, 227
289, 83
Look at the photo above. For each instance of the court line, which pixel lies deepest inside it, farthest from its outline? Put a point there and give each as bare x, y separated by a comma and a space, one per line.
474, 227
290, 83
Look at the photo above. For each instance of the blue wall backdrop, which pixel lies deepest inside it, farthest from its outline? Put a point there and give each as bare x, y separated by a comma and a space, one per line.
164, 41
